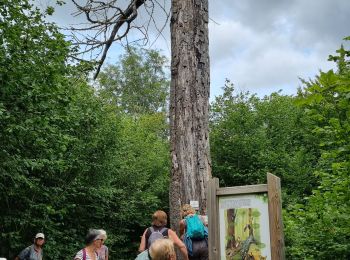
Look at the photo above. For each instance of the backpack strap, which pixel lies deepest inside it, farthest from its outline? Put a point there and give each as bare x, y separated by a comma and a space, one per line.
165, 232
149, 231
84, 254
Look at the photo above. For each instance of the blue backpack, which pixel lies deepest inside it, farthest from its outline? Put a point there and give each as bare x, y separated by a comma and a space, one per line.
194, 227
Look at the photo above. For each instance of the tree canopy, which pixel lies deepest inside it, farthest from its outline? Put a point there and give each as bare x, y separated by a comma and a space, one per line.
138, 83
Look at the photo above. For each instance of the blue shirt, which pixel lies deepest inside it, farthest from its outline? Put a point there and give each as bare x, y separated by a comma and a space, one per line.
30, 253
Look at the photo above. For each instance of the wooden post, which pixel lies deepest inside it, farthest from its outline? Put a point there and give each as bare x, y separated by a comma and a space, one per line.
213, 222
275, 217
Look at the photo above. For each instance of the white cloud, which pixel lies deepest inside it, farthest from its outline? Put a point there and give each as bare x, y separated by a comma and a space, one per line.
266, 45
261, 46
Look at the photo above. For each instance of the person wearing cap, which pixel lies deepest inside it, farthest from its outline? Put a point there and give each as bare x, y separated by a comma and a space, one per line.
103, 251
35, 251
93, 242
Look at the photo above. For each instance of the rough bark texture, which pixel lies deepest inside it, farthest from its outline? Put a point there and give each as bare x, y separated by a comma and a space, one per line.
189, 105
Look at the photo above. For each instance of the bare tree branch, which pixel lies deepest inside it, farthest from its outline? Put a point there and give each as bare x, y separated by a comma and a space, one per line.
108, 22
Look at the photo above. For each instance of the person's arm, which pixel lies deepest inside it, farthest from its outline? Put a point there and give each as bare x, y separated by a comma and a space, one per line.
24, 254
204, 220
142, 246
178, 243
106, 256
182, 228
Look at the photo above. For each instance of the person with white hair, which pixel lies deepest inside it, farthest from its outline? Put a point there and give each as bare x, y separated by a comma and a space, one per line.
93, 242
35, 251
162, 249
102, 252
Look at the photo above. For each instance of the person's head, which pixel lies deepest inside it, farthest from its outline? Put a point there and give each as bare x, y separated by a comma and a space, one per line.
93, 238
159, 218
102, 235
162, 249
187, 209
39, 239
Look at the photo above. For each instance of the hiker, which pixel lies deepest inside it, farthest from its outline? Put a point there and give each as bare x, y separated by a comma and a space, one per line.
35, 251
93, 242
162, 249
194, 233
103, 251
159, 230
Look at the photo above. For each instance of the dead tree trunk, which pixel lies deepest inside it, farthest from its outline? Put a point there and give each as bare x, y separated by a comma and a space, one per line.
189, 105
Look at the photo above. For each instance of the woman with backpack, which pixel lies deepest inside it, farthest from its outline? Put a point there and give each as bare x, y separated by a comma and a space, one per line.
158, 230
194, 233
93, 242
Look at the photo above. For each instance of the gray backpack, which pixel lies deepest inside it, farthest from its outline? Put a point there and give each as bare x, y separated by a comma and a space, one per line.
155, 235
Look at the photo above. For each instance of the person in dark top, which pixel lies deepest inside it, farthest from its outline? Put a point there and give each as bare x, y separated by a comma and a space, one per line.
159, 222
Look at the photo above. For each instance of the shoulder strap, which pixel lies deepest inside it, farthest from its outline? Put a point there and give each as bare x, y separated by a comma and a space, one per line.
148, 234
84, 254
164, 231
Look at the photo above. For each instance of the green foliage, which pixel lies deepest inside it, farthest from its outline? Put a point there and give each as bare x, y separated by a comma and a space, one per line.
320, 228
137, 83
252, 136
141, 180
69, 159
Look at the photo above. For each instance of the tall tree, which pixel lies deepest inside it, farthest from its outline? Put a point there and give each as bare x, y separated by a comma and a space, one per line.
138, 82
189, 90
189, 104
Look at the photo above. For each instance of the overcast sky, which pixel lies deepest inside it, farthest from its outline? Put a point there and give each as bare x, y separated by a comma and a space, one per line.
260, 45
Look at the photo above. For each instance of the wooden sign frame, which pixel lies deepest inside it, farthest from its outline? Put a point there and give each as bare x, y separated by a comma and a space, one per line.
273, 190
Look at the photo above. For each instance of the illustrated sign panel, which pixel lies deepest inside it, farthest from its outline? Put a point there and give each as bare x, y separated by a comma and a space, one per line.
244, 227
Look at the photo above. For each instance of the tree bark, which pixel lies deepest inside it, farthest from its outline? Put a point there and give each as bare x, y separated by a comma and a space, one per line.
189, 106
